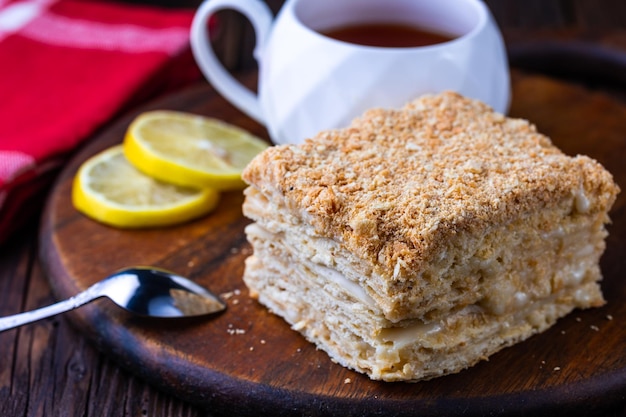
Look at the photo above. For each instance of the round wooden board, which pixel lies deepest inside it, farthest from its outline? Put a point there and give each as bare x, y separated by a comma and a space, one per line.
248, 362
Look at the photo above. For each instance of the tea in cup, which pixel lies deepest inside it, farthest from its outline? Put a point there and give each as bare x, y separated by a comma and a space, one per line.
324, 62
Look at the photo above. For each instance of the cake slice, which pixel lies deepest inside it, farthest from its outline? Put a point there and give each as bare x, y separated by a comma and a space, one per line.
416, 242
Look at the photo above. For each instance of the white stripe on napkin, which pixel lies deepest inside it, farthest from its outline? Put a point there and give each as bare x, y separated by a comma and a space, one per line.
12, 163
17, 15
62, 31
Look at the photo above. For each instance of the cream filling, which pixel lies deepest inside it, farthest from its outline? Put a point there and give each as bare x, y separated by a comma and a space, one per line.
350, 287
346, 285
581, 201
403, 336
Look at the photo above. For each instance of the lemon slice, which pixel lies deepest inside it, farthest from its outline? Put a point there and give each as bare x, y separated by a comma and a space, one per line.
109, 189
190, 150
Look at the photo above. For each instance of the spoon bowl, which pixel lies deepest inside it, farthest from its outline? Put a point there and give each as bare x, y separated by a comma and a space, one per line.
144, 291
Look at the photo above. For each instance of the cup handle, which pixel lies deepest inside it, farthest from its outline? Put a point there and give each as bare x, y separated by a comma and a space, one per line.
261, 18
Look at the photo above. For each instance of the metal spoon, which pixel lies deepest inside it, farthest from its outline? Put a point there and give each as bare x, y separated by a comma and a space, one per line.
145, 291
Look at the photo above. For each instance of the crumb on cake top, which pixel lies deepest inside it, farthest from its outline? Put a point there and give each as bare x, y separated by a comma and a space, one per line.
396, 182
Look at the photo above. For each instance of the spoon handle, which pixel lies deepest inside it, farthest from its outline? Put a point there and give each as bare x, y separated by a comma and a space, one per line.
10, 322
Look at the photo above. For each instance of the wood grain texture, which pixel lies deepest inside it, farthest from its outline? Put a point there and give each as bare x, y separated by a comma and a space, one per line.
49, 369
247, 361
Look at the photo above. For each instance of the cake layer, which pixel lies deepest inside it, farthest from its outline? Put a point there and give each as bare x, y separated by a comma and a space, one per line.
411, 193
499, 269
417, 242
333, 311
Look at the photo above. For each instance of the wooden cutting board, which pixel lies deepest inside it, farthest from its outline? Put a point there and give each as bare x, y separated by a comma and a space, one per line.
248, 362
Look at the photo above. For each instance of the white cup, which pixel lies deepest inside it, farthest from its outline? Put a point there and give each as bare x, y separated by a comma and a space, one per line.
310, 82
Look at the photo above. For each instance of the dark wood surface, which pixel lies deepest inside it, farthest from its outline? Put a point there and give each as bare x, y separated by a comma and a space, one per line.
250, 360
51, 368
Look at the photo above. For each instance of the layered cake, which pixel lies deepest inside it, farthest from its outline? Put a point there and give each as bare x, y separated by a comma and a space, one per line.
418, 241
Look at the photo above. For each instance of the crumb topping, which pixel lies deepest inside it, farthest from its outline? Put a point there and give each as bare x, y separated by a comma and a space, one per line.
395, 183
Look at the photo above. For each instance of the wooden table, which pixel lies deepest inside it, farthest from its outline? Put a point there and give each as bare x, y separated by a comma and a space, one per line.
49, 369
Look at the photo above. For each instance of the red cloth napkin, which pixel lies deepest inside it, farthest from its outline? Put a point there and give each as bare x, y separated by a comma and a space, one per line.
66, 68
